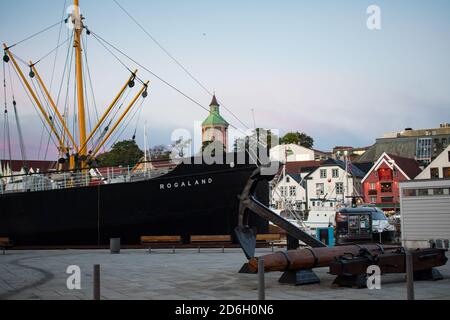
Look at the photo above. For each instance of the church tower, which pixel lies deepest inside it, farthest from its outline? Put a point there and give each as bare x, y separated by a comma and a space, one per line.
215, 128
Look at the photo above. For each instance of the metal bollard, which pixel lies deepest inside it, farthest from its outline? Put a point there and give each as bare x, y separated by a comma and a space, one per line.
261, 280
114, 245
409, 275
97, 282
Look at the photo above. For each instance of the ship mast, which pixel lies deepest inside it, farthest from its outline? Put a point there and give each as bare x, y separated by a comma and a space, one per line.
79, 155
77, 20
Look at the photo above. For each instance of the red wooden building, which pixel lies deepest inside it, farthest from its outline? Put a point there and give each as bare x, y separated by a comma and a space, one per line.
381, 184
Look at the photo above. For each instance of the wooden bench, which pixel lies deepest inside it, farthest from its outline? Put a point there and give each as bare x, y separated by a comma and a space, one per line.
5, 243
211, 241
271, 239
161, 241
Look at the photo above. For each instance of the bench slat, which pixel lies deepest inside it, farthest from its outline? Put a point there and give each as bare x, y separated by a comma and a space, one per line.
210, 238
268, 237
156, 239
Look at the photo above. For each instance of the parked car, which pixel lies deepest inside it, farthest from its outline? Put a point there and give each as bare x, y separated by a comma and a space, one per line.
383, 230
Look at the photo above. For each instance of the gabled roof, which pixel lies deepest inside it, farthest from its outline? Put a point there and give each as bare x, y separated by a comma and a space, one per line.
409, 167
354, 170
302, 166
364, 166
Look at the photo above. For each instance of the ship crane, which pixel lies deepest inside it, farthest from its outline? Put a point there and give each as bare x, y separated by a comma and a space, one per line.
79, 153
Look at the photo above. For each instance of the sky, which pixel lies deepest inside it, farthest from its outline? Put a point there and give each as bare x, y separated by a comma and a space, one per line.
309, 66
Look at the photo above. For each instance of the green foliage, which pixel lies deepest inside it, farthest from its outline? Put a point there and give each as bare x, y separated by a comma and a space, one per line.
260, 135
123, 153
298, 138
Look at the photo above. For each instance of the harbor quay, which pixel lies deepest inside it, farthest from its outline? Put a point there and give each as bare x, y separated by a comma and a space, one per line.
136, 274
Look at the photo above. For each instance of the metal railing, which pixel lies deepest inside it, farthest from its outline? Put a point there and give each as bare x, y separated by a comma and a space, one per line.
55, 180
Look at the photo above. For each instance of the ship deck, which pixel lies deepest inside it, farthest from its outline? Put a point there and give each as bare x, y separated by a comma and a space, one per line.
185, 275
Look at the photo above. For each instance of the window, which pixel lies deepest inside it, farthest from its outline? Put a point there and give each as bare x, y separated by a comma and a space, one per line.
340, 188
410, 192
386, 187
335, 173
283, 191
387, 199
320, 189
288, 180
373, 199
449, 156
323, 173
292, 191
423, 193
434, 173
446, 172
373, 186
424, 149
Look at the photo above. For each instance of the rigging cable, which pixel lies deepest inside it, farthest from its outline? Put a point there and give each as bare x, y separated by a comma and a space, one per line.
19, 127
255, 157
176, 60
85, 44
34, 106
56, 53
6, 132
35, 34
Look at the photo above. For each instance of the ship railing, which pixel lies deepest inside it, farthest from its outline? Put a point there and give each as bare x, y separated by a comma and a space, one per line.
56, 180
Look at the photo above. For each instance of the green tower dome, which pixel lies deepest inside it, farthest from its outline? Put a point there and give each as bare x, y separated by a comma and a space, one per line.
214, 118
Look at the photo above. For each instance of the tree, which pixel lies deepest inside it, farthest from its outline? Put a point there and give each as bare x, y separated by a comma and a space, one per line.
160, 152
298, 138
123, 153
262, 136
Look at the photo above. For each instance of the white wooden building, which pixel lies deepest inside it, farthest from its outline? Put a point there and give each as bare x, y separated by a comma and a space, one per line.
425, 212
439, 168
328, 185
293, 152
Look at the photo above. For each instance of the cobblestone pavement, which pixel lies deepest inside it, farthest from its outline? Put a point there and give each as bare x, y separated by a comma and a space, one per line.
187, 274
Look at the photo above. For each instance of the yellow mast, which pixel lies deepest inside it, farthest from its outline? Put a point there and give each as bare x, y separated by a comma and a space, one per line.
78, 25
111, 106
55, 109
35, 98
144, 87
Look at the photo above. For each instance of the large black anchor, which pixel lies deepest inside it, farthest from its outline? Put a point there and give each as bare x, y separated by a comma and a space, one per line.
246, 235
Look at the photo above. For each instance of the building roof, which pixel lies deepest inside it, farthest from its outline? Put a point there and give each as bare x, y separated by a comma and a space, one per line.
403, 147
296, 176
354, 170
302, 166
18, 165
410, 166
364, 166
214, 117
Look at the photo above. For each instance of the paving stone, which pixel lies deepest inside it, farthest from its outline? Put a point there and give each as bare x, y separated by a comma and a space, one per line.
210, 275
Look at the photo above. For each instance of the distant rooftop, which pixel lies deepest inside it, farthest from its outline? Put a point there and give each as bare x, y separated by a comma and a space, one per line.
444, 129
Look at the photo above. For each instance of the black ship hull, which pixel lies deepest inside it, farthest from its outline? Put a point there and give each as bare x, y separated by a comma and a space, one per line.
191, 200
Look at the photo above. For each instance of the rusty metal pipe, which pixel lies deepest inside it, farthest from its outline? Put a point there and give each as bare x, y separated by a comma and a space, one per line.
310, 258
